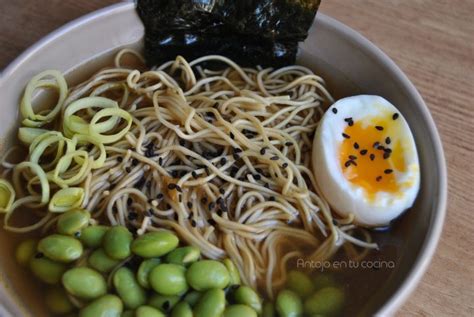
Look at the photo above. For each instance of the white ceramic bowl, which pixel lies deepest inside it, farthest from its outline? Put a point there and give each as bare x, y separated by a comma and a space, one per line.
350, 64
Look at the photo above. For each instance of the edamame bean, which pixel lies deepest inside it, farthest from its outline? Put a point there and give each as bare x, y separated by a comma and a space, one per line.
58, 302
148, 311
207, 274
92, 236
300, 283
162, 302
154, 244
84, 282
73, 221
268, 310
144, 271
288, 304
116, 242
100, 261
234, 274
25, 251
127, 287
211, 304
247, 296
60, 248
192, 297
182, 309
239, 311
327, 301
47, 270
168, 279
105, 306
184, 255
128, 313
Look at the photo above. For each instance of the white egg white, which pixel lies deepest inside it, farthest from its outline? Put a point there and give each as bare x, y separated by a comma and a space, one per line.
346, 197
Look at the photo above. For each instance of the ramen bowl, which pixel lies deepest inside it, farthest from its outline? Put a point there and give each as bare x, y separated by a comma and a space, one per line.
350, 65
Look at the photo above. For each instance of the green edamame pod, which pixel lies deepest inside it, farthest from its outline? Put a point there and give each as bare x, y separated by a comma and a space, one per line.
182, 309
247, 296
183, 255
268, 310
105, 306
327, 301
116, 242
148, 311
300, 283
207, 274
58, 302
162, 302
239, 311
100, 261
192, 297
84, 282
168, 279
47, 270
155, 244
233, 272
92, 236
60, 248
211, 304
73, 221
144, 271
288, 304
127, 287
25, 251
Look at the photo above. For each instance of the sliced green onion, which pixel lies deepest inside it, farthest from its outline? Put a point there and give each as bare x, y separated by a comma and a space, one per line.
95, 162
66, 199
27, 135
36, 169
32, 119
76, 125
96, 128
7, 195
78, 174
42, 142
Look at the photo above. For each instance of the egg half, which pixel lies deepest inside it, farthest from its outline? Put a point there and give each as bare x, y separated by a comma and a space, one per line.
365, 160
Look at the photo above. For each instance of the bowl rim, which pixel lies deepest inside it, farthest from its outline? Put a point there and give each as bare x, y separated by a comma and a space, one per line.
433, 235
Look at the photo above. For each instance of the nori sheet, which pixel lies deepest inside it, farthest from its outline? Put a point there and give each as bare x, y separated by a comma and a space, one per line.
251, 32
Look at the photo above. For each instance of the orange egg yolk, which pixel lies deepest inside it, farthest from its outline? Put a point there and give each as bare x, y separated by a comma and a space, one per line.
369, 155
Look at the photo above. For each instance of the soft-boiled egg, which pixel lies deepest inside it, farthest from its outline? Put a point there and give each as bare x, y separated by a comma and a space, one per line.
365, 160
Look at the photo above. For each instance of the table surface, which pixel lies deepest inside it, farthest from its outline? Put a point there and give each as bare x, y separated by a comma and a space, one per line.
432, 42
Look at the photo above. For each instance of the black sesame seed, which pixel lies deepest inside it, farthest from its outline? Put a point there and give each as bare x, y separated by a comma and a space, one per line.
376, 144
160, 161
284, 165
387, 140
237, 150
356, 145
179, 189
378, 127
335, 222
395, 116
219, 213
191, 215
259, 170
266, 185
257, 177
39, 255
127, 169
347, 163
272, 198
174, 174
182, 142
77, 234
189, 204
386, 155
219, 200
334, 110
223, 160
288, 143
159, 196
353, 162
388, 171
363, 152
222, 191
132, 216
129, 201
180, 198
372, 157
211, 221
120, 159
387, 150
134, 162
346, 135
381, 147
171, 186
353, 157
194, 174
232, 136
379, 178
350, 123
274, 158
212, 205
176, 217
236, 156
263, 150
